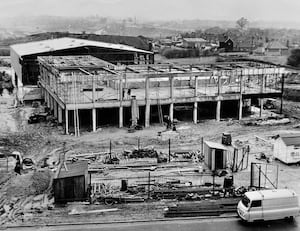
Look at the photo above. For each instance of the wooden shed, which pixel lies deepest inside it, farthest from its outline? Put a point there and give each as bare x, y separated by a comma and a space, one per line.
215, 155
71, 183
287, 148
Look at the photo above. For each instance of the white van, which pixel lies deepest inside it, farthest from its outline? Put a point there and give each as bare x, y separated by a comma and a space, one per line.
266, 205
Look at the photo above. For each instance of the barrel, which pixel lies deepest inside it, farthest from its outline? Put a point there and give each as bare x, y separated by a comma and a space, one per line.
226, 138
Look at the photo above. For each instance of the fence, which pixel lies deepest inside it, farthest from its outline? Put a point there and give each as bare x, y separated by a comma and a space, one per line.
264, 175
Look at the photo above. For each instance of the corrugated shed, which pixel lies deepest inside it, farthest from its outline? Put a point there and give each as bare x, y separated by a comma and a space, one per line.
216, 145
51, 45
73, 169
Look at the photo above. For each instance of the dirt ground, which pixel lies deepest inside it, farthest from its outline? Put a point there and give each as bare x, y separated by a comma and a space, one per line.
39, 141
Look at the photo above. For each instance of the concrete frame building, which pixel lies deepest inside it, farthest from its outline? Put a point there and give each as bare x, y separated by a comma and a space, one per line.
85, 83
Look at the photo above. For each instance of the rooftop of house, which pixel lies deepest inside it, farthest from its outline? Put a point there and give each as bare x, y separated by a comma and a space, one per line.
51, 45
290, 139
195, 40
276, 45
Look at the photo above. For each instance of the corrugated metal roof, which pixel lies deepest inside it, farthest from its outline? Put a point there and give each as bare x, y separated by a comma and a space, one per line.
31, 48
73, 169
216, 145
291, 139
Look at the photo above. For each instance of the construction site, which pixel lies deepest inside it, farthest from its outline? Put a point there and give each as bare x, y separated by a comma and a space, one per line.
86, 93
115, 142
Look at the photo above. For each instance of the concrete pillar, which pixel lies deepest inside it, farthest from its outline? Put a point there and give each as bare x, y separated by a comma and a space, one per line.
240, 108
94, 119
171, 112
147, 109
59, 117
218, 110
196, 87
261, 106
147, 115
171, 88
195, 112
67, 121
120, 117
219, 84
55, 106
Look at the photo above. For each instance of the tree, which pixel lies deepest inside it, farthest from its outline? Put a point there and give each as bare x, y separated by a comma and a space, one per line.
242, 23
294, 58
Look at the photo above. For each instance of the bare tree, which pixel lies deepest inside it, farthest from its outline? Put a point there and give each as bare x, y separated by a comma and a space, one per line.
242, 23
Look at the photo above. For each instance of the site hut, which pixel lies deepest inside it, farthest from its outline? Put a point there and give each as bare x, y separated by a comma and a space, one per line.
216, 155
99, 93
287, 148
71, 182
25, 67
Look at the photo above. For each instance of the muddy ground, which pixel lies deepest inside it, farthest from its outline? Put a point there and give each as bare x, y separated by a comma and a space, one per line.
39, 141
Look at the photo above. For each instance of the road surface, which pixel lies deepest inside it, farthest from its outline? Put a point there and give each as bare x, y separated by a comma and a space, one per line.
219, 224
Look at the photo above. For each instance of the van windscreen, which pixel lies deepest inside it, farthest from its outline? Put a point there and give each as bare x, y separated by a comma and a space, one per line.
246, 201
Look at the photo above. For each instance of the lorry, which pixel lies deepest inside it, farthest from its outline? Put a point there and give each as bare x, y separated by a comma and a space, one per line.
264, 205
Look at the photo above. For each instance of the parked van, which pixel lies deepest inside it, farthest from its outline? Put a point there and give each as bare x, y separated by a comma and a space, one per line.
266, 205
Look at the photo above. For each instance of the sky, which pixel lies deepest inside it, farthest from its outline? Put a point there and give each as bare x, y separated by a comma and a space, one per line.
253, 10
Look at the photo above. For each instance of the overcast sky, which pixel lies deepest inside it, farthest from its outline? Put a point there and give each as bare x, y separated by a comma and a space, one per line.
268, 10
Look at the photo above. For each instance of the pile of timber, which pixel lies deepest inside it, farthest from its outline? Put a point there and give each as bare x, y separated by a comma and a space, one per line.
203, 208
184, 192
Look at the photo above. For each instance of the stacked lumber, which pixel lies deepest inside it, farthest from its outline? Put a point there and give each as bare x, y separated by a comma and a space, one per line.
203, 208
183, 192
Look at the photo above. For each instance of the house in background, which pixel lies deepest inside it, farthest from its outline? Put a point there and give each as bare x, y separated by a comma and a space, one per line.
276, 48
245, 45
226, 43
198, 43
287, 148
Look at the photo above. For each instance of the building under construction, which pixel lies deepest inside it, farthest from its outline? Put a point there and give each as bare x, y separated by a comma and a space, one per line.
87, 92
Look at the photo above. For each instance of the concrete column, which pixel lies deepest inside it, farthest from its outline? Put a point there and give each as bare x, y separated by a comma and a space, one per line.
94, 119
147, 110
219, 84
196, 87
171, 88
55, 106
120, 117
171, 112
121, 99
261, 106
195, 112
218, 110
59, 111
67, 121
240, 108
